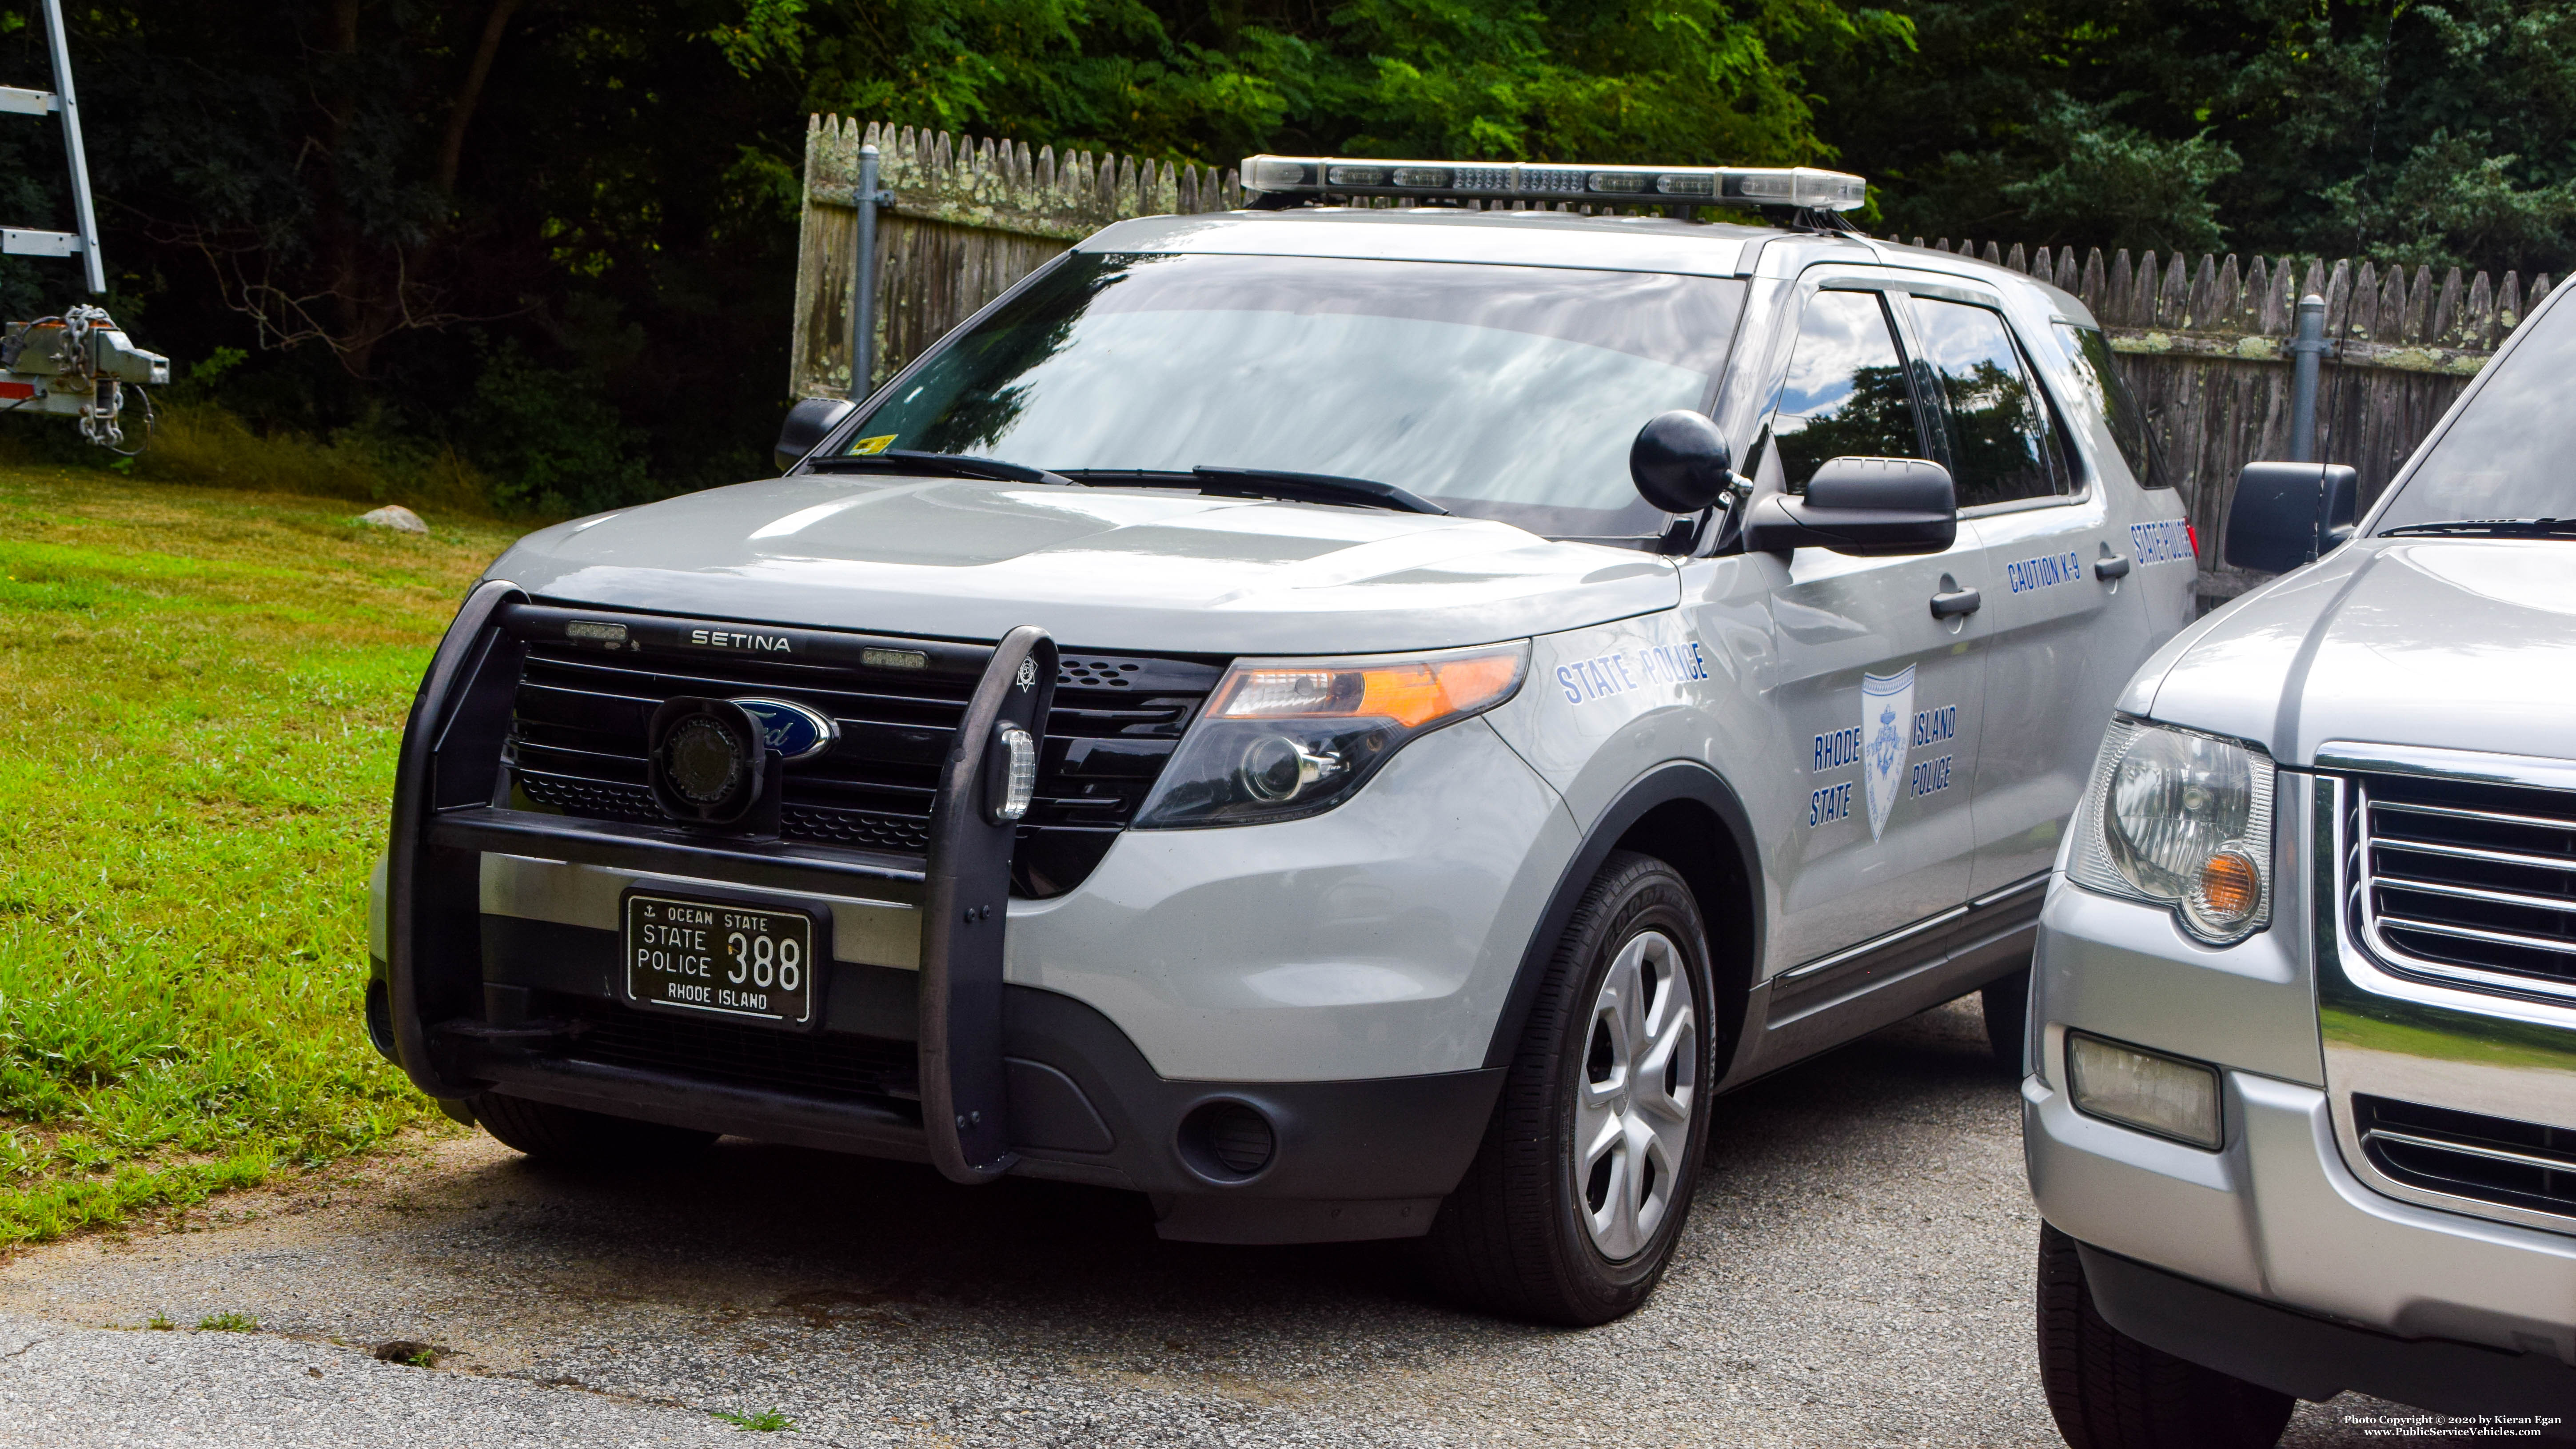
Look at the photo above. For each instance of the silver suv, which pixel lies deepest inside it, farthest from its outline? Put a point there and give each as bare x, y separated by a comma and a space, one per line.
1297, 714
2302, 1115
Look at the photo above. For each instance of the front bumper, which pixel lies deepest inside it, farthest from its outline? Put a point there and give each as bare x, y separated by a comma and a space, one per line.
1267, 967
2276, 1221
2315, 1358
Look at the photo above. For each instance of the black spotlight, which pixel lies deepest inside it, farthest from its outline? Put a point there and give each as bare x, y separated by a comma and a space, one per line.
708, 760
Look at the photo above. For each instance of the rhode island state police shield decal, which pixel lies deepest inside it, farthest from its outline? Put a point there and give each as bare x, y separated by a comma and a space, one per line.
1886, 709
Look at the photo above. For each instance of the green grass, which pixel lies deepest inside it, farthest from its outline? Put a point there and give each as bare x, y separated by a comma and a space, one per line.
201, 692
229, 1323
766, 1422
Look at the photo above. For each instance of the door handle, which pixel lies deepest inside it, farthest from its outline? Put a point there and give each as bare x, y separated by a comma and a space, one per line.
2111, 566
1954, 602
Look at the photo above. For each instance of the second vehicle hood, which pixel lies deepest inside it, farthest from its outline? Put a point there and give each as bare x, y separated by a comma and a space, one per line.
1099, 568
2464, 644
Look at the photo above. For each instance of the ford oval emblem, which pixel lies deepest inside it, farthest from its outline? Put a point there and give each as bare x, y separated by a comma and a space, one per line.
795, 731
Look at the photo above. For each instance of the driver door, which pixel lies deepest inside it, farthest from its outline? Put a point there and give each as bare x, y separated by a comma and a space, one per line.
1883, 699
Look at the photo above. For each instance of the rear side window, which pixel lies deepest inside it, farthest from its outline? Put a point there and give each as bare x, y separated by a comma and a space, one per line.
2099, 375
2002, 448
1845, 395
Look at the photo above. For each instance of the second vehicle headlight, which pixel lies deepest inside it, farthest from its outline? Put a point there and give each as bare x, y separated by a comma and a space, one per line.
1281, 738
2183, 820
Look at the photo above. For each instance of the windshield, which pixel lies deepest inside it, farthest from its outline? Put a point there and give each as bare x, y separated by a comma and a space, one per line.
2508, 456
1501, 392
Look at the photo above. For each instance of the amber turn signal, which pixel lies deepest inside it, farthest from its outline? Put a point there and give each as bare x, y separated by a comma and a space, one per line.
1413, 692
2231, 887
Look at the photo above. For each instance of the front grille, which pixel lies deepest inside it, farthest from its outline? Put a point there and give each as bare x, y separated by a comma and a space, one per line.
578, 744
2469, 882
2465, 1154
834, 1067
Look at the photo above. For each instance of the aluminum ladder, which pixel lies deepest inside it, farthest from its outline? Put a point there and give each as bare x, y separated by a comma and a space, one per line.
23, 242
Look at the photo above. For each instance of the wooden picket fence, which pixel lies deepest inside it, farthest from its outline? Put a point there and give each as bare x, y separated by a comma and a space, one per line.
2202, 339
970, 218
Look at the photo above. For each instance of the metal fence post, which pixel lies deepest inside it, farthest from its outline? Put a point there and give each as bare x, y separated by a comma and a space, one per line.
2309, 345
863, 280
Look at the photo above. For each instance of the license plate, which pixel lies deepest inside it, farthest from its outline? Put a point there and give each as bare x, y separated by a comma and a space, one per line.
719, 957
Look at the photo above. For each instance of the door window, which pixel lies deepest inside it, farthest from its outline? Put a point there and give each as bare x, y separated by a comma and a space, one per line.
1845, 395
2098, 376
2002, 448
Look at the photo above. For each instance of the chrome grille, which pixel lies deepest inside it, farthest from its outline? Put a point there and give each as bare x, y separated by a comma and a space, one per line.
578, 744
2470, 882
2468, 1154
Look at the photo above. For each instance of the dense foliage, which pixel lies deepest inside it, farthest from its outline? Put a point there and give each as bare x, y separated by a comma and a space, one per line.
558, 235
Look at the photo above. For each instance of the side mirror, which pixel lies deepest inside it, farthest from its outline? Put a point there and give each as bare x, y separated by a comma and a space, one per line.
1866, 507
2288, 514
1680, 462
808, 423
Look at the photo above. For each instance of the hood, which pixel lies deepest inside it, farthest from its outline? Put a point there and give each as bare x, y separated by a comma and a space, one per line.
1099, 568
2466, 644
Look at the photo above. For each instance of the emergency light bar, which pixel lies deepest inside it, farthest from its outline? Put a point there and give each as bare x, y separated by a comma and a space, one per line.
1797, 186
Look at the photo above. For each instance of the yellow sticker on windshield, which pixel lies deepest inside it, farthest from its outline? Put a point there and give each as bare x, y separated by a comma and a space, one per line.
872, 445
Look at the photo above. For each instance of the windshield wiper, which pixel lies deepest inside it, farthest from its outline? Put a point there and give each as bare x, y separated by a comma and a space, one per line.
1263, 483
2487, 528
945, 465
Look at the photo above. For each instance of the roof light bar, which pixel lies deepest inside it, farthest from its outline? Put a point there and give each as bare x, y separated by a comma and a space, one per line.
1533, 181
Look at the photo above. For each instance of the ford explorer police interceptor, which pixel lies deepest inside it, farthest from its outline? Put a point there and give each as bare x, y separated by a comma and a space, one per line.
1299, 714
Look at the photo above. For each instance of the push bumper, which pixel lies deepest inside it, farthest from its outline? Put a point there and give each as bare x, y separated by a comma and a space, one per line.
946, 1062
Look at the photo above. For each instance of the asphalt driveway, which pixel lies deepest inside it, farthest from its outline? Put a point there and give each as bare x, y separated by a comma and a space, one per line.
1857, 1271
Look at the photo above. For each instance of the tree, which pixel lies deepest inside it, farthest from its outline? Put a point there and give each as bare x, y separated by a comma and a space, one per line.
2422, 131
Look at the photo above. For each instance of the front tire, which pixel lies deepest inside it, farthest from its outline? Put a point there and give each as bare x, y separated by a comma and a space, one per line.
2109, 1391
1571, 1209
575, 1138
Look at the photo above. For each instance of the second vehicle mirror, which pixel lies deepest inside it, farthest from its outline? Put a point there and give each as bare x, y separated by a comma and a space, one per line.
1867, 507
2288, 514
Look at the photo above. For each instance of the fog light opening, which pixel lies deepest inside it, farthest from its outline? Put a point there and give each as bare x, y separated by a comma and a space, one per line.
1227, 1141
2149, 1091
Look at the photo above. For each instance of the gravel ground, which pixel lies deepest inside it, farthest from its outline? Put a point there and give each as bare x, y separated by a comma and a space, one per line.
1857, 1271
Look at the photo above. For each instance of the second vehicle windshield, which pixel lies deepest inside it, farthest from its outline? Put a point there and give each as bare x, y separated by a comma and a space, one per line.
1500, 392
2511, 454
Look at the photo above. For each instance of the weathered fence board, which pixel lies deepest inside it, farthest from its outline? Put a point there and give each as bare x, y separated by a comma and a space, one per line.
2202, 340
969, 218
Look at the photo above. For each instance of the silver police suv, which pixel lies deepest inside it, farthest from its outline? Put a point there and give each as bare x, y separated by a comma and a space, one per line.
1297, 714
2302, 1110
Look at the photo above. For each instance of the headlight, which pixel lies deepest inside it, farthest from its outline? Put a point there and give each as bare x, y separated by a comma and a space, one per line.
2182, 820
1281, 738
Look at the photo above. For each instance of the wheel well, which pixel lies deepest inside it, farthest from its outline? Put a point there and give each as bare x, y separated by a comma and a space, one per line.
1689, 837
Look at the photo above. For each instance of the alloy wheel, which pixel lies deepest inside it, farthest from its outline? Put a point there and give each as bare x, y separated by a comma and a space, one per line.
1632, 1098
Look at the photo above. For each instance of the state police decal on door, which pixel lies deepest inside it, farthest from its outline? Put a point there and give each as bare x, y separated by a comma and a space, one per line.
1886, 713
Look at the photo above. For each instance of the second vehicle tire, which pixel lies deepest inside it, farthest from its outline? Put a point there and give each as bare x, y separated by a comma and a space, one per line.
1571, 1209
2109, 1391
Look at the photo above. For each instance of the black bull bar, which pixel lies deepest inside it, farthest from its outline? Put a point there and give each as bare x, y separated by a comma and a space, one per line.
451, 804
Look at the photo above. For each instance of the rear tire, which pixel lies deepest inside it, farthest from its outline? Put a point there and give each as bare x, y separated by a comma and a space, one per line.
575, 1138
2109, 1391
2007, 1007
1570, 1211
